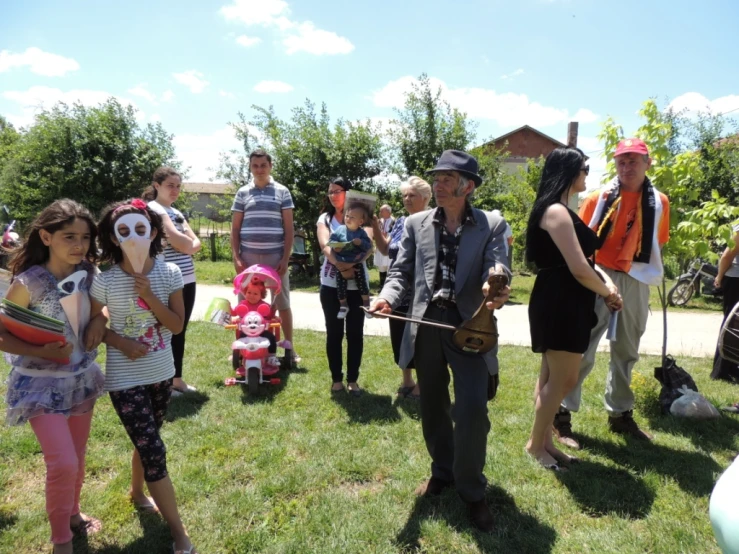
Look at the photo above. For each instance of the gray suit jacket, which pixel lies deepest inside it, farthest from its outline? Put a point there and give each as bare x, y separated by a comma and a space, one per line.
481, 247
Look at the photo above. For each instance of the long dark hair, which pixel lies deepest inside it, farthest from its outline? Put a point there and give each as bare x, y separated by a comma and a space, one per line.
561, 168
56, 216
160, 175
111, 252
344, 183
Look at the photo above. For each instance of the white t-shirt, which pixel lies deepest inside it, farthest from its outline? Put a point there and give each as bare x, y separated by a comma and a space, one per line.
181, 260
129, 318
328, 270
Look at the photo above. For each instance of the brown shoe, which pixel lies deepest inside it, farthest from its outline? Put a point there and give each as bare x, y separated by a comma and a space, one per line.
433, 487
481, 516
625, 425
562, 429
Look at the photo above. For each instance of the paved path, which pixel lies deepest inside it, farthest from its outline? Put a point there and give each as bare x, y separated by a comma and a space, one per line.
689, 333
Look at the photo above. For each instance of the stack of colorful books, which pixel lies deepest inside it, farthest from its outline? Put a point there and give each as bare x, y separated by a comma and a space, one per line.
30, 326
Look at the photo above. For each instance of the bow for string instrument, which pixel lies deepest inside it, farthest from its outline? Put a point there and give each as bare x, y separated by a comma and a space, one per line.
477, 335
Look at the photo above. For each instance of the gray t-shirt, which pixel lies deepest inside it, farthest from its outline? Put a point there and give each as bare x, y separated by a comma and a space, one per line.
131, 318
262, 231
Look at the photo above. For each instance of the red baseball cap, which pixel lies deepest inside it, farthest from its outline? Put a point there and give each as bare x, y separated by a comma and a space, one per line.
634, 145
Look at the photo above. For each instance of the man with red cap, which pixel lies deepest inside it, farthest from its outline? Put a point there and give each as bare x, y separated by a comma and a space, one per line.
632, 221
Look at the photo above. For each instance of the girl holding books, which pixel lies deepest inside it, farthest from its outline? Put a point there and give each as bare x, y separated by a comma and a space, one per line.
144, 298
54, 386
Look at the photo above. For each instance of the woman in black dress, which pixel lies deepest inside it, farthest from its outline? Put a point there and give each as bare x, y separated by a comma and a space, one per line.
561, 309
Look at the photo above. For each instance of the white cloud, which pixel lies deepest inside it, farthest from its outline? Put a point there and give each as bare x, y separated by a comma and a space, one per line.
316, 41
256, 12
508, 109
297, 36
143, 92
194, 80
155, 117
226, 94
246, 41
38, 61
167, 96
694, 103
512, 75
202, 152
584, 115
266, 87
38, 98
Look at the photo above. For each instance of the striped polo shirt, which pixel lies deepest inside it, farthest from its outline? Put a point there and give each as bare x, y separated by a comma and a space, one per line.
181, 260
130, 318
261, 230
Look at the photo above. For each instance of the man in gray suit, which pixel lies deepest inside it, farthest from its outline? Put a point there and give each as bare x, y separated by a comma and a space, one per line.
446, 255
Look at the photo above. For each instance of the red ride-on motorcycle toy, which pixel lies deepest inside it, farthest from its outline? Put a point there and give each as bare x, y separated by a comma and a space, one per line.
257, 332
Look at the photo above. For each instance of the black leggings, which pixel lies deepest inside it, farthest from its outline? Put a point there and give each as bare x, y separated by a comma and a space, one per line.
141, 410
335, 333
178, 340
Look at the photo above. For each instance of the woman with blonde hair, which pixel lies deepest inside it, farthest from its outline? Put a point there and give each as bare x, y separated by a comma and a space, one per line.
416, 194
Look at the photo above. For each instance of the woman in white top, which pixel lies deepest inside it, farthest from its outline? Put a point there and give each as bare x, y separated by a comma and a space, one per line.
181, 244
328, 221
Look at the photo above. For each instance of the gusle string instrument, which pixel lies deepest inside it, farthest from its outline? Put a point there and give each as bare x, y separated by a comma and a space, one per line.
479, 334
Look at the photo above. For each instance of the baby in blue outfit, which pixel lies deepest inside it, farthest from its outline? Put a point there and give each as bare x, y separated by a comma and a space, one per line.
359, 244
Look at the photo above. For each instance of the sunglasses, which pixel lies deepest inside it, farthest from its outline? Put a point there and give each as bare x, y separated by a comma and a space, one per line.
586, 169
336, 192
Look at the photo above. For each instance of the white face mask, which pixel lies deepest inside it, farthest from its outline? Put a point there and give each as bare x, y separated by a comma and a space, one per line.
133, 232
75, 303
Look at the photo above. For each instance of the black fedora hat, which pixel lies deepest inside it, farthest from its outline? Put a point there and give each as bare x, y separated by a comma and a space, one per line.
461, 162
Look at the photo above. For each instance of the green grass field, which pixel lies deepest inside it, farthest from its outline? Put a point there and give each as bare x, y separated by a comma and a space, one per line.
297, 471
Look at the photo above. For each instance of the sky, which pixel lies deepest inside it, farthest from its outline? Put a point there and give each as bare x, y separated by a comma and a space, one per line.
195, 64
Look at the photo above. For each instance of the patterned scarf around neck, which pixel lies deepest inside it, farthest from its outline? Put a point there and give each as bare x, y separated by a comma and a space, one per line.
645, 216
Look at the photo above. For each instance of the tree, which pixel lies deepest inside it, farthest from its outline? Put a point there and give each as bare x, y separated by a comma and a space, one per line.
424, 128
308, 151
8, 139
95, 155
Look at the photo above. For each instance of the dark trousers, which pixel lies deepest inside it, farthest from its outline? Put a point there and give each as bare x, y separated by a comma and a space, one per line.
354, 322
456, 438
397, 328
142, 409
723, 369
178, 340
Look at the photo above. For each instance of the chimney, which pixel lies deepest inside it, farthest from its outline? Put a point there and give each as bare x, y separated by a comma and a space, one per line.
572, 142
572, 134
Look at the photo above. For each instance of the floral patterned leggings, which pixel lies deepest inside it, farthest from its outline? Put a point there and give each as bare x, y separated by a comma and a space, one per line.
141, 410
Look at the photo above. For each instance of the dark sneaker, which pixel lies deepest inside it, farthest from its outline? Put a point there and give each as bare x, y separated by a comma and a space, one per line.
481, 516
433, 487
562, 429
625, 425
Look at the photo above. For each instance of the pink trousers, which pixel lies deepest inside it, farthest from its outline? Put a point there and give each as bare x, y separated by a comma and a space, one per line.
63, 442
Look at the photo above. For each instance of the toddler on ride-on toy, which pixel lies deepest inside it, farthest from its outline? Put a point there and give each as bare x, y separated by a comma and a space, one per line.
257, 330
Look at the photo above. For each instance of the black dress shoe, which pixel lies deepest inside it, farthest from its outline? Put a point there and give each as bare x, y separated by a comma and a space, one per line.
481, 516
433, 487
